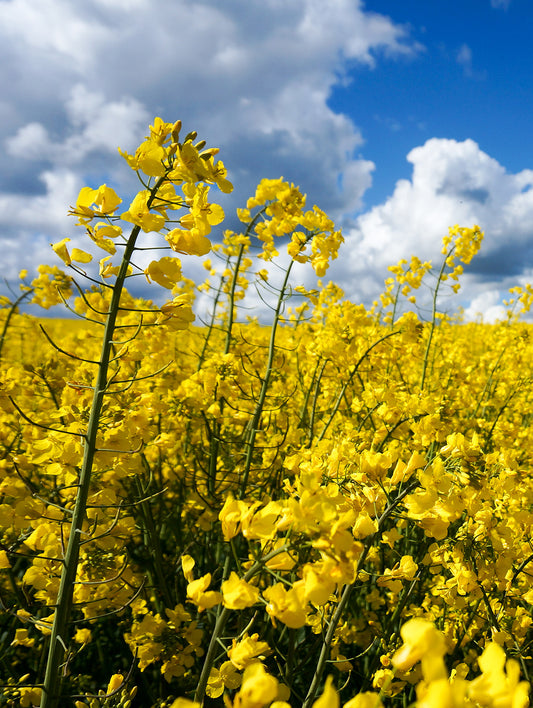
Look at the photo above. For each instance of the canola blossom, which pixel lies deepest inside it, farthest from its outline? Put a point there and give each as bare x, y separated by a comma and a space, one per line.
330, 509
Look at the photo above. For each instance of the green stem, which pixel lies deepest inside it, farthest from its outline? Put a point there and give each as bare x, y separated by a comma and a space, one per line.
235, 277
337, 615
58, 637
211, 325
345, 385
312, 417
231, 314
153, 542
214, 438
250, 442
219, 626
396, 298
10, 314
433, 319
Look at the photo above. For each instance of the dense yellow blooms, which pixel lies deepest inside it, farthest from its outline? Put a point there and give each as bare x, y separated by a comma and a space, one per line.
332, 509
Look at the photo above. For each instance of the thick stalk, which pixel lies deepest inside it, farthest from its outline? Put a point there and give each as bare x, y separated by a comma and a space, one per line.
59, 639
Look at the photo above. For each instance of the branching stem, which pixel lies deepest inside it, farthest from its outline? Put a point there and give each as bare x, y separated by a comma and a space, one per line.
59, 639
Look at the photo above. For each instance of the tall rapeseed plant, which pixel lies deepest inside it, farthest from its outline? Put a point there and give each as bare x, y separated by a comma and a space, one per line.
176, 175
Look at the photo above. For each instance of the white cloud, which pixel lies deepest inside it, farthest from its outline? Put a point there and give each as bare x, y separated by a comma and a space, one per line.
486, 307
94, 125
452, 182
30, 142
464, 58
31, 223
357, 32
47, 212
253, 78
54, 27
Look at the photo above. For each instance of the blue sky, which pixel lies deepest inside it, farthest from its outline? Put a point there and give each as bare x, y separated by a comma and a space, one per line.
471, 78
399, 119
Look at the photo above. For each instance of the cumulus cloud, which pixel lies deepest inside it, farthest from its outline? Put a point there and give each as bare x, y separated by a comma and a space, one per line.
452, 182
53, 29
486, 307
253, 78
94, 125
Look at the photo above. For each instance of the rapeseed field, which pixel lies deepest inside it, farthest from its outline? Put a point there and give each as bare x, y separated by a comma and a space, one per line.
331, 508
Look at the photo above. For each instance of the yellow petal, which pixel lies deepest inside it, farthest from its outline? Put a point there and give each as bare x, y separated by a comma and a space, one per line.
62, 251
80, 256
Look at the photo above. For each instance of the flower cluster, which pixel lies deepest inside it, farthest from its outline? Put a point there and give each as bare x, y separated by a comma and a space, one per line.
331, 509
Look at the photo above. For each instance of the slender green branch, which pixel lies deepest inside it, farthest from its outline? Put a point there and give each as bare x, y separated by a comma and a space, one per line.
337, 615
219, 626
345, 385
253, 427
240, 255
433, 318
12, 311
